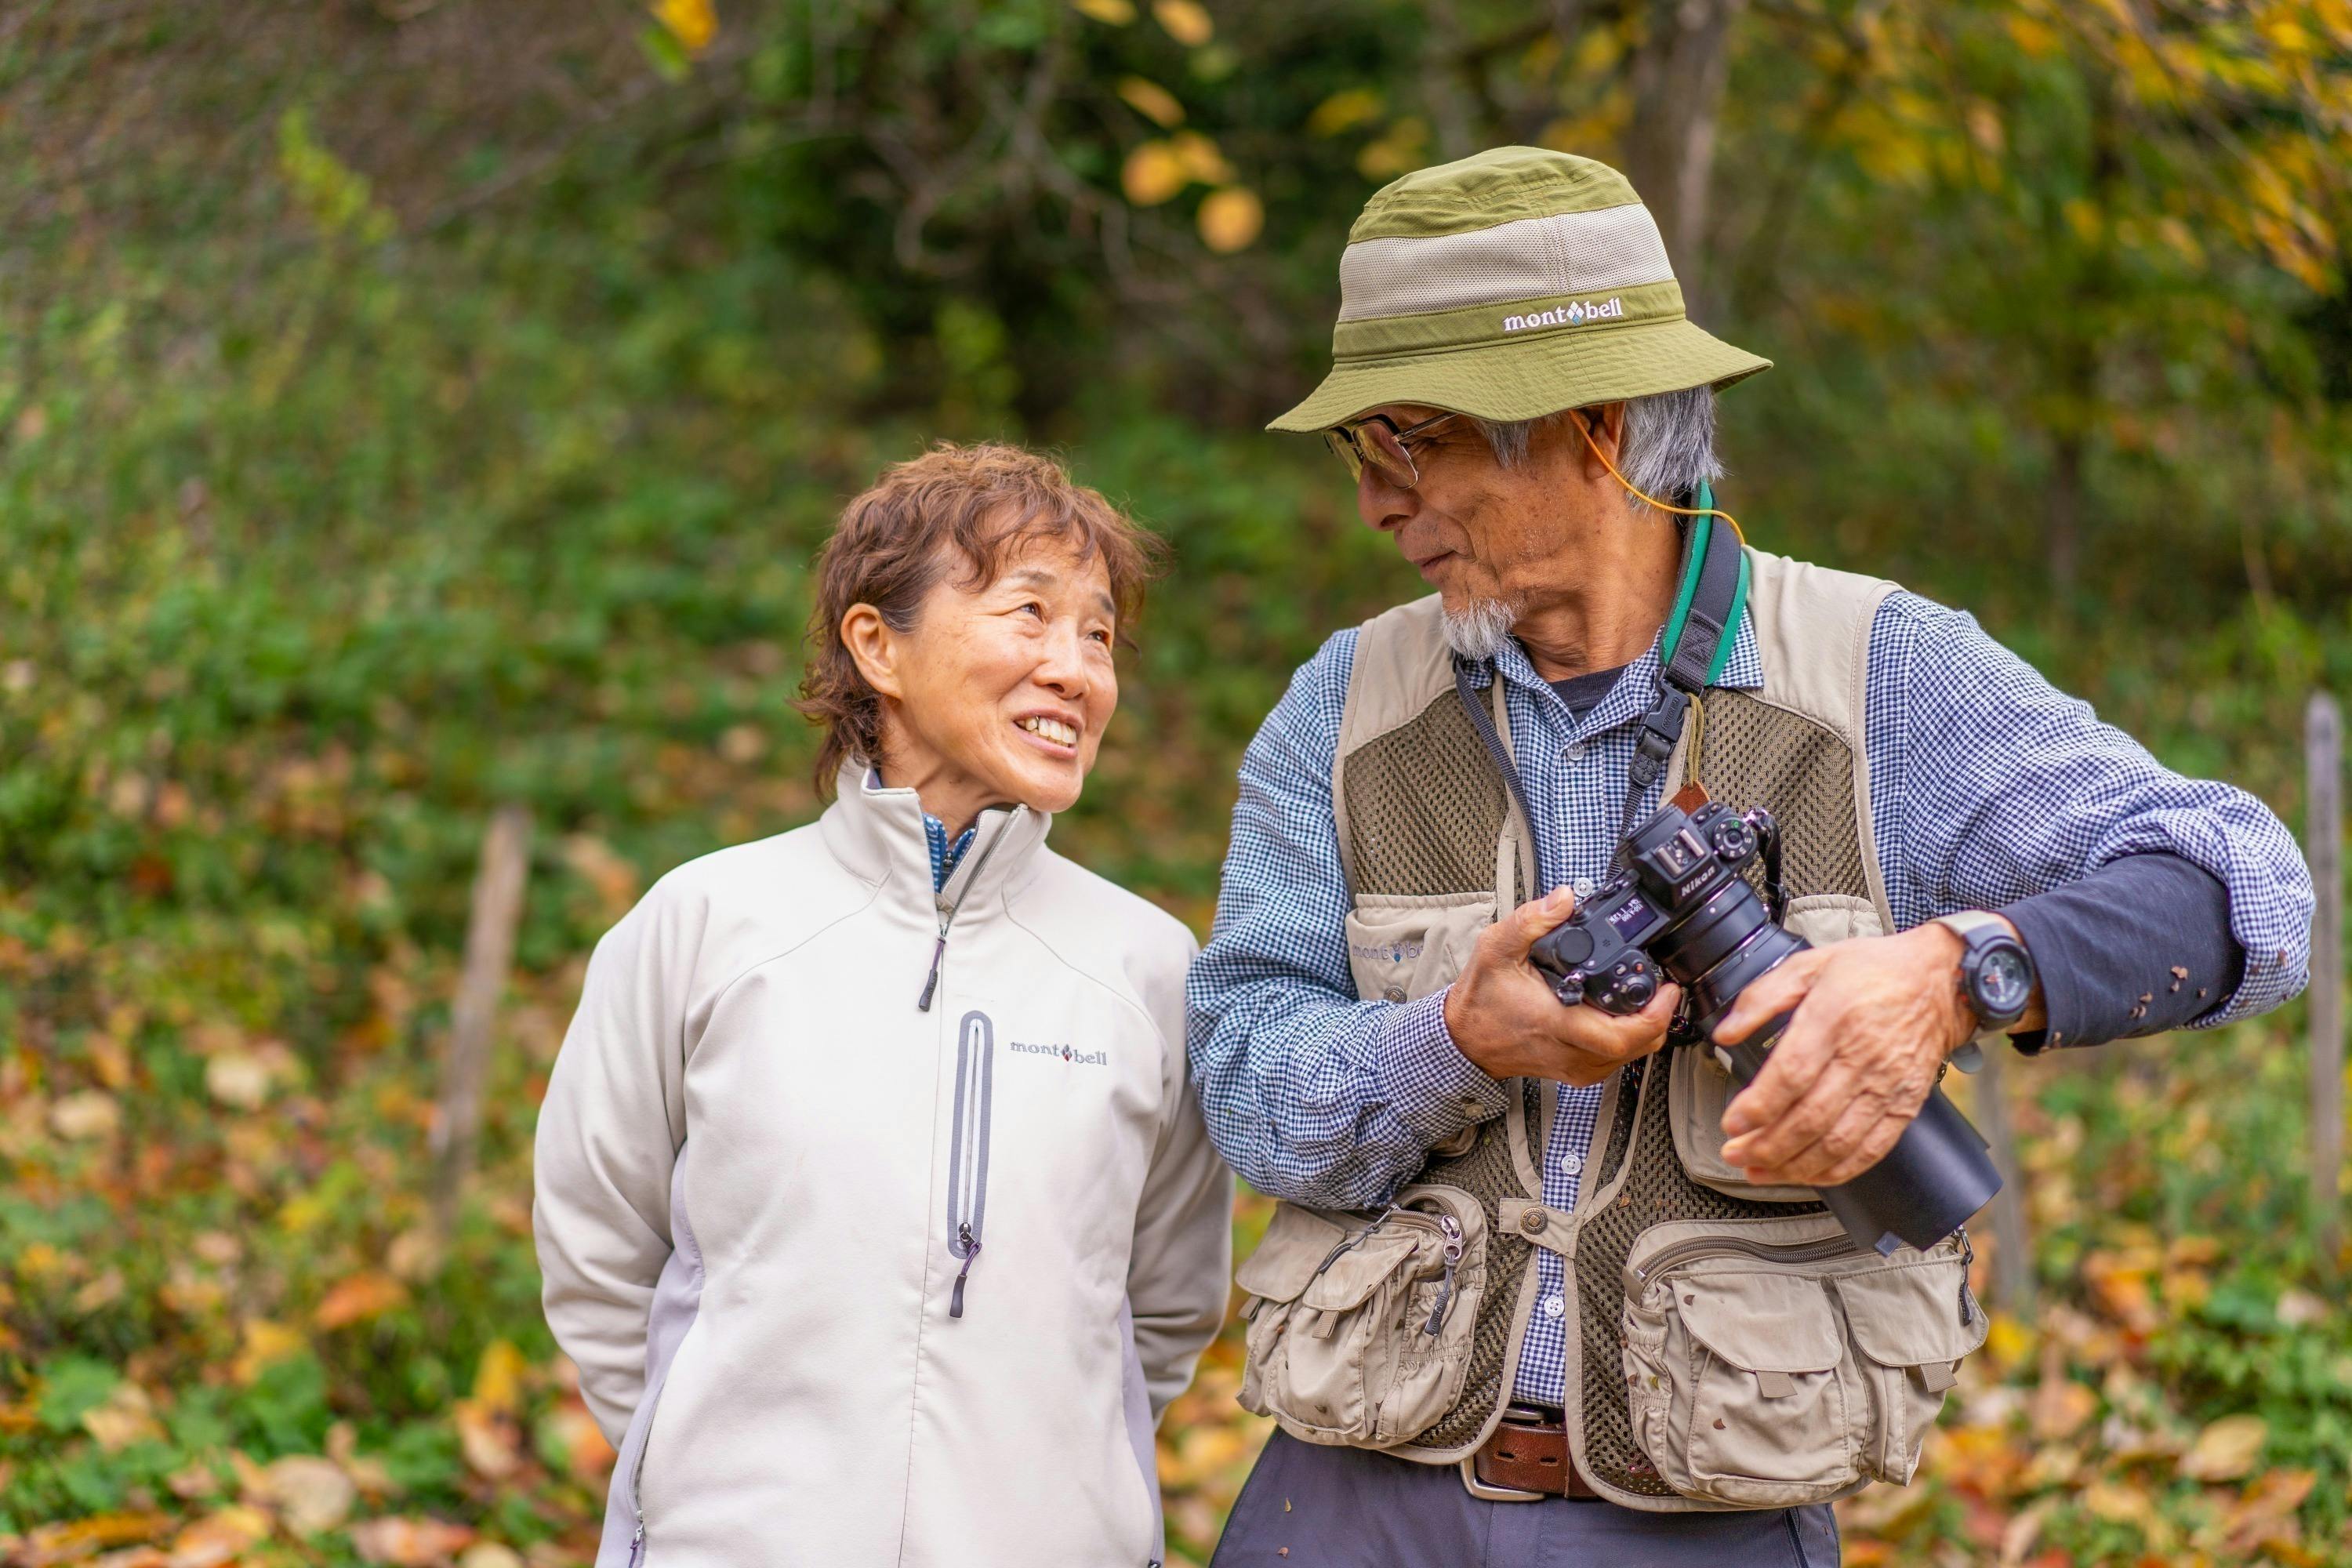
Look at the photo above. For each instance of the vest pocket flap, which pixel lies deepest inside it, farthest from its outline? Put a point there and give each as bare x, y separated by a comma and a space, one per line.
1911, 1316
1296, 1242
1356, 1273
1760, 1322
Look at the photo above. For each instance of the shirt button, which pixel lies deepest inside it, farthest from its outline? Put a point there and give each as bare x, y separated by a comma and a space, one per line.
1583, 886
1573, 752
1554, 1306
1571, 1163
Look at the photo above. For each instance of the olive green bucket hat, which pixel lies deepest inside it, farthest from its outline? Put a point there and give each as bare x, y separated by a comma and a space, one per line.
1509, 286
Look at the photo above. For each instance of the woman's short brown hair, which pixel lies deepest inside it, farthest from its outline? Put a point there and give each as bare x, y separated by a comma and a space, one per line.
969, 505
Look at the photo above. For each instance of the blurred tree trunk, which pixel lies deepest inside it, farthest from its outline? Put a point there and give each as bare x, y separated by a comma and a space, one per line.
1679, 72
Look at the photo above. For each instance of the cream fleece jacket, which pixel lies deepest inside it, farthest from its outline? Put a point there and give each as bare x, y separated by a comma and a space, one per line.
852, 1282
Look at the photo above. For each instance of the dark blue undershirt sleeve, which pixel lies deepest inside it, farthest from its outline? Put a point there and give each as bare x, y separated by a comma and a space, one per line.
2137, 947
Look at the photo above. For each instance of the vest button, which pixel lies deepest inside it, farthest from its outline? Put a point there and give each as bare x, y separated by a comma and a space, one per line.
1393, 993
1534, 1221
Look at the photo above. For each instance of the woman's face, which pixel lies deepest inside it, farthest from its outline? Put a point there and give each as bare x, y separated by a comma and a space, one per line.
998, 692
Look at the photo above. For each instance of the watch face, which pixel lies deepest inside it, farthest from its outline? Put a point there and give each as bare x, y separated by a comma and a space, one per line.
2005, 981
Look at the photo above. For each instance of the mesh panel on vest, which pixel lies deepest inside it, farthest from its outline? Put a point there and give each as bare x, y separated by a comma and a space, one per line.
1657, 1192
1486, 1173
1756, 754
1425, 808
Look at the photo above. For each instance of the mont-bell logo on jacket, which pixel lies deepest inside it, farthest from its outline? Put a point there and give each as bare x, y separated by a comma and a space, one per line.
1076, 1059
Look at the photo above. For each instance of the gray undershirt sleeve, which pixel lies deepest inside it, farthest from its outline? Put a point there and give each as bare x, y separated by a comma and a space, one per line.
2139, 946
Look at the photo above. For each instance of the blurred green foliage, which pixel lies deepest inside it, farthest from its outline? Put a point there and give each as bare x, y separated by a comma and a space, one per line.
408, 408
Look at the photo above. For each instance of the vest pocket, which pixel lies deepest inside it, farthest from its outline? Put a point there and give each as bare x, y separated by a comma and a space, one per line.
1360, 1324
1770, 1362
1402, 946
1913, 1324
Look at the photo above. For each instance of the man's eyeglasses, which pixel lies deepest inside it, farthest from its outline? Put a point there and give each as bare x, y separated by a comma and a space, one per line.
1378, 442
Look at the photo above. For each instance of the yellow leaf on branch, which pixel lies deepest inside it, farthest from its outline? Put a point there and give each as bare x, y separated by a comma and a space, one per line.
1152, 101
1152, 174
1231, 218
1109, 13
693, 23
1344, 111
1184, 21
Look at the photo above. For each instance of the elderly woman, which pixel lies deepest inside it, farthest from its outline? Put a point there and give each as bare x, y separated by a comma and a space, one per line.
871, 1201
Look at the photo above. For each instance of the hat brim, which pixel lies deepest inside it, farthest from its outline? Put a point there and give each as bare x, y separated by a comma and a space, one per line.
1527, 379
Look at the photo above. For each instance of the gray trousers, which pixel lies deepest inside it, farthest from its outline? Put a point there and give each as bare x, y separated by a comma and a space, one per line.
1344, 1507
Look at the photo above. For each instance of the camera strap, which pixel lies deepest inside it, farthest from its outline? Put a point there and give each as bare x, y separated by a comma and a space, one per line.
1693, 648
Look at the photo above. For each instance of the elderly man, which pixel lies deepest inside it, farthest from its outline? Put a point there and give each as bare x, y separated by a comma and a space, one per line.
1535, 1292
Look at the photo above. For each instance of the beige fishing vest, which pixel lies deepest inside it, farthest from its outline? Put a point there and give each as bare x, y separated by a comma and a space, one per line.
1731, 1347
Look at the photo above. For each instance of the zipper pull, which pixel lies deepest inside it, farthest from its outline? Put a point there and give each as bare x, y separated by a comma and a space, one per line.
970, 1253
1453, 1229
1968, 1258
932, 985
638, 1542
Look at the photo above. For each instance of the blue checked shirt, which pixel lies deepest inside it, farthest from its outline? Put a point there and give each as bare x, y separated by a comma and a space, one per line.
1988, 785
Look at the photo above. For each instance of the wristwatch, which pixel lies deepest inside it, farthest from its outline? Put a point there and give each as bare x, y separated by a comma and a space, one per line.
1996, 971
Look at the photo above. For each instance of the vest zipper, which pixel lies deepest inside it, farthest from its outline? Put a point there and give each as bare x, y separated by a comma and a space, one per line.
948, 910
968, 1147
1682, 1252
1452, 1228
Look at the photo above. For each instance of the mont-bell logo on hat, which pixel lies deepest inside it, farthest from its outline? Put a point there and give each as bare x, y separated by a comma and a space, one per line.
1567, 315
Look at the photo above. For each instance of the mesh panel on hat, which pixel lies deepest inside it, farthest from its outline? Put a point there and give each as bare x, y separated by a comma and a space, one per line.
1533, 258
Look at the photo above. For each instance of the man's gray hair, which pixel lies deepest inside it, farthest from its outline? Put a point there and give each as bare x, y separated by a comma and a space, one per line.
1669, 441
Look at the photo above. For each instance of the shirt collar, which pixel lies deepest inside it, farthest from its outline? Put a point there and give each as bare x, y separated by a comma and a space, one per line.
1637, 687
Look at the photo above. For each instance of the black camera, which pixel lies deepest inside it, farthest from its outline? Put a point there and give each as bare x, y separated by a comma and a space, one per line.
1682, 904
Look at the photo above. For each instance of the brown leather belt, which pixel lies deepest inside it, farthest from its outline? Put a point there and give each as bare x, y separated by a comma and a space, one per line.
1526, 1460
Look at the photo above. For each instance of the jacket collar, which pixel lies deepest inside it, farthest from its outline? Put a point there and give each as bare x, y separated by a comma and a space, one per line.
877, 832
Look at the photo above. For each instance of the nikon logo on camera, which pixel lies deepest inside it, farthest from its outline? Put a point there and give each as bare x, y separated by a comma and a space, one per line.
1567, 315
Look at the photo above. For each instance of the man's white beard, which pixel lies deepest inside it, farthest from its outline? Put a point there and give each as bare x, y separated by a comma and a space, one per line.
1478, 630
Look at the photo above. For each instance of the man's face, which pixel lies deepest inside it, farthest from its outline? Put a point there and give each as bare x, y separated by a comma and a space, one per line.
1474, 529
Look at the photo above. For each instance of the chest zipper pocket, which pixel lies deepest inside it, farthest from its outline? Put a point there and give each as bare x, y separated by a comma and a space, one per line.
968, 1148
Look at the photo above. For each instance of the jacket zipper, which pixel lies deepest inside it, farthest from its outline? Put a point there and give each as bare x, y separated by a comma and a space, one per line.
947, 911
638, 1542
968, 1147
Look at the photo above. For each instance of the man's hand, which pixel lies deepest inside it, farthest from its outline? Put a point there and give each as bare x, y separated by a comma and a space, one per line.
1874, 1018
1504, 1017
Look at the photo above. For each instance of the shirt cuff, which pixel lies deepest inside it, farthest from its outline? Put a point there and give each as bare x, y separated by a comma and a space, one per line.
1434, 1088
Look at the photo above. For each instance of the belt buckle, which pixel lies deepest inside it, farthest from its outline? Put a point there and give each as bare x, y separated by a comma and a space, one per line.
1528, 1416
1484, 1493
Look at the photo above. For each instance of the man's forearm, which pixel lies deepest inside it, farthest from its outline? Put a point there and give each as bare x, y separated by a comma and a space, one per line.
1324, 1102
2141, 945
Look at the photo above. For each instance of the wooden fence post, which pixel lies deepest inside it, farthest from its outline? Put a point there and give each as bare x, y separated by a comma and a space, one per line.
2012, 1237
2323, 733
489, 949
